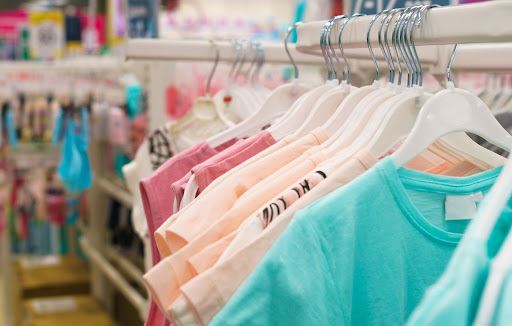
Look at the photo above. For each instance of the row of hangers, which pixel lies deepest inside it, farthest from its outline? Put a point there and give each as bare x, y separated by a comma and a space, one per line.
379, 116
334, 102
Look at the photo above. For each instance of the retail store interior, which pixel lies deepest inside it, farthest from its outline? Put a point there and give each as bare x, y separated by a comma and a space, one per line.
233, 162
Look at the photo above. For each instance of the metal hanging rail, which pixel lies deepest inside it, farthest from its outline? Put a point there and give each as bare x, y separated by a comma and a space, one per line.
472, 23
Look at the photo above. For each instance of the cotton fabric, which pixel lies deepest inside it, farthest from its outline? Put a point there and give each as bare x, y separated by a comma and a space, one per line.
163, 280
455, 297
373, 248
206, 294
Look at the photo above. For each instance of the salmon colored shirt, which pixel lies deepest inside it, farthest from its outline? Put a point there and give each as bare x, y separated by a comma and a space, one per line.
199, 202
195, 230
211, 169
203, 214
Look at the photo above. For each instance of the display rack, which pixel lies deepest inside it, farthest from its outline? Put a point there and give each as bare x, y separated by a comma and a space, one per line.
204, 50
441, 27
108, 268
471, 23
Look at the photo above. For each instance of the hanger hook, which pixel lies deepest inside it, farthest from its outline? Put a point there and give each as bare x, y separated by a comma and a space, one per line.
420, 16
450, 63
396, 44
260, 62
398, 39
402, 33
368, 43
236, 47
323, 48
329, 43
244, 47
388, 23
290, 30
415, 60
216, 62
340, 42
254, 53
385, 14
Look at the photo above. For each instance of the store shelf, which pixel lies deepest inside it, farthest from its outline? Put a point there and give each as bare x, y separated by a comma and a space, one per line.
117, 279
115, 190
125, 265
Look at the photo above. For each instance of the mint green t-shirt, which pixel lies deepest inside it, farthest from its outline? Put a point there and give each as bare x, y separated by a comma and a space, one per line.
455, 297
362, 255
503, 312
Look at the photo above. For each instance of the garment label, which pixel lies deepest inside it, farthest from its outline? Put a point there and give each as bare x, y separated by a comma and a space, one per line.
462, 207
52, 306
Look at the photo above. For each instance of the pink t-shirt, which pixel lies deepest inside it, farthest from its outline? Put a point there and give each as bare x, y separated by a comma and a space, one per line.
250, 147
219, 164
157, 200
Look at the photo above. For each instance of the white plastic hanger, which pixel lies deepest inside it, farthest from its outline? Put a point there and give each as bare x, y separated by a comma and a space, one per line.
205, 114
358, 106
328, 103
451, 110
401, 118
348, 105
243, 101
277, 103
400, 113
390, 122
295, 118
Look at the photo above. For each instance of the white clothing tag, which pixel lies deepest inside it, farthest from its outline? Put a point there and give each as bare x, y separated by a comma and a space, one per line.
462, 207
52, 306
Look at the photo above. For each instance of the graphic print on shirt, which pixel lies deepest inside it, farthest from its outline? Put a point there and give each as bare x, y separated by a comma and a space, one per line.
159, 148
275, 208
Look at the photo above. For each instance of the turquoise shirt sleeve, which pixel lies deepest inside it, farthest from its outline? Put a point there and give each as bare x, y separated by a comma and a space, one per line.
503, 313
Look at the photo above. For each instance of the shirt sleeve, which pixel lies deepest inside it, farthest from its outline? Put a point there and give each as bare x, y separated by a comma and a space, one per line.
292, 285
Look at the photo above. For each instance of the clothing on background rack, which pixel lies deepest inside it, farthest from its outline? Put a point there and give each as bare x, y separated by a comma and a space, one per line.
332, 204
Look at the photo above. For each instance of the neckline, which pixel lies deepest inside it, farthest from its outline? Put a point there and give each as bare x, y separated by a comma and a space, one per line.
400, 178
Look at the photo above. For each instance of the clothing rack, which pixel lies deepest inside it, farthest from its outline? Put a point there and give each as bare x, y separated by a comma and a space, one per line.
158, 56
472, 23
204, 50
106, 263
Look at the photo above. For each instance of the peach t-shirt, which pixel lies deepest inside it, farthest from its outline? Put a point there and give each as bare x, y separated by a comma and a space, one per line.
199, 203
260, 194
198, 228
207, 293
216, 254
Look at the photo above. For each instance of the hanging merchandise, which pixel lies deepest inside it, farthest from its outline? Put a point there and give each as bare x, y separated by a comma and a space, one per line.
46, 34
116, 22
143, 18
74, 169
396, 204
